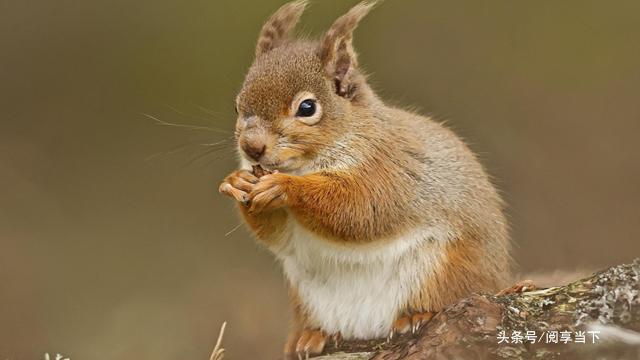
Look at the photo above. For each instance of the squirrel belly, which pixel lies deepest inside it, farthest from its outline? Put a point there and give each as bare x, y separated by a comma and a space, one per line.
359, 291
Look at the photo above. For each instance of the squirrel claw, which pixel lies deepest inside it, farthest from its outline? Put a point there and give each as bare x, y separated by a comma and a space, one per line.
420, 319
268, 194
408, 323
238, 185
310, 343
239, 195
519, 287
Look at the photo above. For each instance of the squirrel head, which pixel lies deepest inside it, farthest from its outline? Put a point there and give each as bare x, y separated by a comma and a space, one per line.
299, 95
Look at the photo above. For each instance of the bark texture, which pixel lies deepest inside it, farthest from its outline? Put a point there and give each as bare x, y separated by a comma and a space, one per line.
607, 303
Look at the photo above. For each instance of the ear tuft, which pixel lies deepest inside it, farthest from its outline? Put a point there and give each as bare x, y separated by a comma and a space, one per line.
336, 49
277, 29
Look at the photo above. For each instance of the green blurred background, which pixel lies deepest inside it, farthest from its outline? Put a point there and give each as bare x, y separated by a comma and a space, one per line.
113, 238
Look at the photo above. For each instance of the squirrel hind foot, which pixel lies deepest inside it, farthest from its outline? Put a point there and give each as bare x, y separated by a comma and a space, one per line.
519, 287
410, 323
310, 343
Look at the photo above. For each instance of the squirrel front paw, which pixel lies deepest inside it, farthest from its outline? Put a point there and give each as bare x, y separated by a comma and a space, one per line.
269, 193
238, 185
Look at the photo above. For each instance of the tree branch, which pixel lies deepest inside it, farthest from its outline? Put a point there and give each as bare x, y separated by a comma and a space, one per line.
606, 303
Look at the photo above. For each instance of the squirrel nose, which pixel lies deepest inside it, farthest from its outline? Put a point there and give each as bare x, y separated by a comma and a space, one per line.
254, 151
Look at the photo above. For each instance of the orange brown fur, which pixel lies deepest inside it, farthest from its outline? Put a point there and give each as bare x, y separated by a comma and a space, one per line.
362, 201
266, 226
319, 201
300, 319
461, 273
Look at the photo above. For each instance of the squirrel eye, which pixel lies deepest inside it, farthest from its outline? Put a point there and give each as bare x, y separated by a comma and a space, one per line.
307, 108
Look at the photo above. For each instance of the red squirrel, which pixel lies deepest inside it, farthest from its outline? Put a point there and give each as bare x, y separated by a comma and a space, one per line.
379, 216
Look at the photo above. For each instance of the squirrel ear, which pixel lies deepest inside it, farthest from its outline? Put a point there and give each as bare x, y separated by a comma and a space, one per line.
276, 30
336, 49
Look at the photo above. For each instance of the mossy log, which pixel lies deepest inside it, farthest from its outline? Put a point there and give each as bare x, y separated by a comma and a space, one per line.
606, 306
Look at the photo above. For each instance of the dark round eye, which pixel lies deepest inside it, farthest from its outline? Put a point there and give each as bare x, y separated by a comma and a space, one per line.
307, 108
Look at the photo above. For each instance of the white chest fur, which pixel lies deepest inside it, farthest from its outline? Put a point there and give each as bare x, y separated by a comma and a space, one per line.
358, 291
